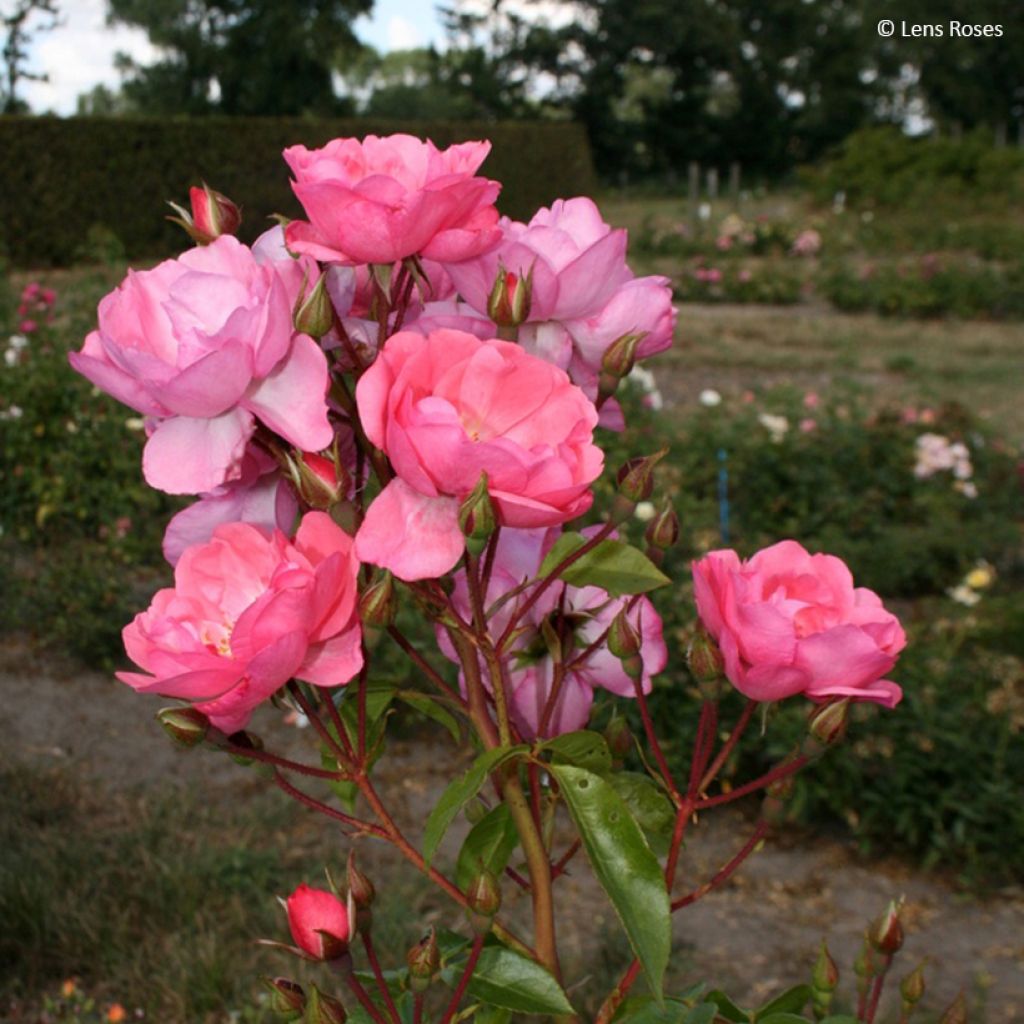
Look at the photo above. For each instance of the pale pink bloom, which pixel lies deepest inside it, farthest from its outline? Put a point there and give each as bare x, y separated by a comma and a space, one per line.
28, 326
812, 400
380, 200
807, 243
260, 496
789, 622
248, 611
747, 398
319, 922
446, 408
713, 276
205, 346
723, 242
808, 425
590, 610
745, 276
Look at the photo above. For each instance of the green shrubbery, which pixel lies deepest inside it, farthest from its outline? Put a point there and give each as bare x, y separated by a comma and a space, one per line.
65, 178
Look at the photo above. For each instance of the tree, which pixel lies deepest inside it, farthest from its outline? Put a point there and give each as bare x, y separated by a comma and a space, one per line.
240, 56
17, 19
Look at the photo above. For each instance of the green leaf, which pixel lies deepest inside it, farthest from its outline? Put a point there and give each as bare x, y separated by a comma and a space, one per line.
839, 1018
508, 980
432, 709
489, 844
566, 544
624, 865
791, 1001
704, 1013
727, 1008
645, 1010
584, 749
458, 794
616, 567
492, 1015
647, 802
783, 1018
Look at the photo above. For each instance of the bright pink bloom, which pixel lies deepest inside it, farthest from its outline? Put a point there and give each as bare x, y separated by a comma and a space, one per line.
789, 622
448, 407
591, 611
249, 611
260, 496
319, 922
205, 345
213, 214
382, 199
27, 326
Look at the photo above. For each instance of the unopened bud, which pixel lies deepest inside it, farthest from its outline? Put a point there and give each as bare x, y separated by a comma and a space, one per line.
886, 933
313, 313
320, 482
361, 893
827, 722
825, 977
323, 1009
957, 1012
211, 216
424, 960
483, 900
508, 305
636, 477
378, 604
619, 739
247, 741
617, 362
186, 726
287, 999
864, 965
623, 637
703, 657
478, 518
912, 987
663, 530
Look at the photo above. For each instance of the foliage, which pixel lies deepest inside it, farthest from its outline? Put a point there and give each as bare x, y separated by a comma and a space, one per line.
20, 24
64, 177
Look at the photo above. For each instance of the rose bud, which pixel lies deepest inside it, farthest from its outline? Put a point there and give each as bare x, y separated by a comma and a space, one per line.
624, 642
321, 1009
483, 900
508, 305
619, 739
827, 722
212, 215
320, 481
826, 975
424, 960
636, 477
313, 314
703, 657
361, 893
319, 922
663, 530
617, 362
912, 988
886, 933
186, 726
957, 1012
377, 606
286, 998
477, 517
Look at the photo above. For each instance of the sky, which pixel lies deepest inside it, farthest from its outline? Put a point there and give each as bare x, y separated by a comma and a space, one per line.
79, 54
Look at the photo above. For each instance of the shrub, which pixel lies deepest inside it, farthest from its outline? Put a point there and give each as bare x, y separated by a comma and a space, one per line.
67, 179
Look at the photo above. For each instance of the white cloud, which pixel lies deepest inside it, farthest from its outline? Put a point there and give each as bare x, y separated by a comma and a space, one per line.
78, 55
402, 34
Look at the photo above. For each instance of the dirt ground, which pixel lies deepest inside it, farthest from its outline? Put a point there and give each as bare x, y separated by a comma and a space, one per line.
767, 922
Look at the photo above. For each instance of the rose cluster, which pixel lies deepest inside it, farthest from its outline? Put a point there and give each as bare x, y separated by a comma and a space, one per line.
333, 394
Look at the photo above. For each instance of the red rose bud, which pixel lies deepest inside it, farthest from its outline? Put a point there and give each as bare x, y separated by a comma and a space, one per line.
378, 604
287, 999
636, 477
211, 216
319, 923
186, 726
703, 657
827, 722
319, 481
825, 977
617, 363
323, 1009
361, 893
886, 934
313, 314
477, 517
623, 638
957, 1012
912, 988
663, 530
508, 305
483, 900
424, 960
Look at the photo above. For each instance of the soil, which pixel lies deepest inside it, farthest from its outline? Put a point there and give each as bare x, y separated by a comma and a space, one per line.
766, 923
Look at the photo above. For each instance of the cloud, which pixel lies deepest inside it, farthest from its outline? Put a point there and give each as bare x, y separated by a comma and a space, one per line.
402, 34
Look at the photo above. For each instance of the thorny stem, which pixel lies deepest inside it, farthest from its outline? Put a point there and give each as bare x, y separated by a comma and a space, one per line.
341, 746
723, 874
467, 973
424, 666
357, 824
728, 746
876, 989
281, 762
652, 741
780, 771
378, 974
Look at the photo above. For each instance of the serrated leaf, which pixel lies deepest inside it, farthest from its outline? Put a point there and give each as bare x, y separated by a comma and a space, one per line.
617, 567
624, 865
433, 710
566, 544
584, 749
508, 980
489, 844
458, 793
791, 1001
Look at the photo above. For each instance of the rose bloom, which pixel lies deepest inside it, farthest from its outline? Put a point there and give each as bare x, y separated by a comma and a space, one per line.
247, 612
588, 610
382, 199
204, 345
789, 622
319, 922
446, 408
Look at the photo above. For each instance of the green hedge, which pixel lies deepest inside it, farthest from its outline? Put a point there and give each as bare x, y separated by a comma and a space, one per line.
63, 178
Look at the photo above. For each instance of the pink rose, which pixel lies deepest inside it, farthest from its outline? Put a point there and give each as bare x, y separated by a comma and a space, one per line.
448, 407
205, 345
789, 622
382, 199
590, 612
248, 611
319, 922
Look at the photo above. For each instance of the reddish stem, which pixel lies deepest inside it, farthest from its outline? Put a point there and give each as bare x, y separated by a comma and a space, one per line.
724, 873
281, 762
364, 999
778, 772
316, 805
378, 974
467, 973
876, 990
652, 741
728, 746
562, 863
